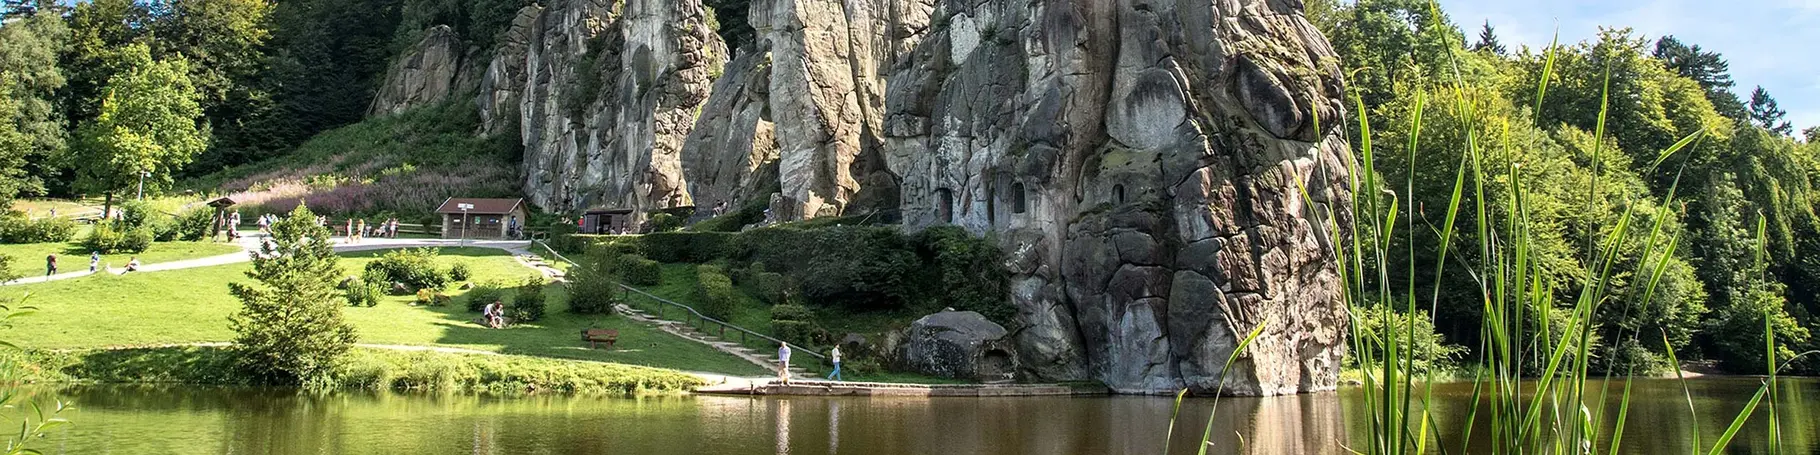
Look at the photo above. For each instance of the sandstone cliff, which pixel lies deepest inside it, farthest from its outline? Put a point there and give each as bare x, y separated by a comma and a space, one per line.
1138, 160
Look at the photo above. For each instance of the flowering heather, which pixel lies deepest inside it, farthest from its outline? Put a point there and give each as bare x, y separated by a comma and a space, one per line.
412, 192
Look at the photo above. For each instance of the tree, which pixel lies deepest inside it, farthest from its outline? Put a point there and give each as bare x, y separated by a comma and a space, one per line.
225, 42
1765, 114
290, 329
147, 124
1488, 41
1707, 68
30, 125
1811, 134
99, 32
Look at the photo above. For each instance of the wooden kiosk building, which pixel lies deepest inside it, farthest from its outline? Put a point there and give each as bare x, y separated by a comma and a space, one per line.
477, 218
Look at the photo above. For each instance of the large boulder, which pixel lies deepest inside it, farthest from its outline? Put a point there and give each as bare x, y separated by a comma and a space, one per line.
958, 344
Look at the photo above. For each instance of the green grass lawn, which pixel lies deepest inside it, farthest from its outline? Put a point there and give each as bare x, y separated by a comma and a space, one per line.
193, 305
29, 257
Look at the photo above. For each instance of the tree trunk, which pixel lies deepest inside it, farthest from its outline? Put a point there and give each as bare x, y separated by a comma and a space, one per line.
107, 207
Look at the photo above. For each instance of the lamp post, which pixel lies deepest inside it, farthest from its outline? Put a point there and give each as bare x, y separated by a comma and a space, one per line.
142, 176
464, 222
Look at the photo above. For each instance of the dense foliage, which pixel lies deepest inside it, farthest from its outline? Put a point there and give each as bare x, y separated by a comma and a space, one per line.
1632, 131
527, 301
714, 294
17, 228
593, 285
415, 267
290, 330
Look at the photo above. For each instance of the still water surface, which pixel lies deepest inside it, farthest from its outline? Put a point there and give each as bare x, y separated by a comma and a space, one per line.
161, 420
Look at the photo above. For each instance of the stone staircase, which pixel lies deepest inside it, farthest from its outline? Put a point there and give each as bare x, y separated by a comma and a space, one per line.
763, 358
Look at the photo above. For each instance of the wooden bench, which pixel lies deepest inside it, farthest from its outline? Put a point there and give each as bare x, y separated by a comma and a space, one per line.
592, 336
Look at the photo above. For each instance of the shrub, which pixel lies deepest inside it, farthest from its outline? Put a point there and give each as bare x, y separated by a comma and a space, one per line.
483, 294
664, 222
849, 265
163, 230
796, 324
1431, 351
639, 271
687, 247
714, 291
772, 287
460, 272
965, 273
111, 237
428, 297
361, 292
415, 267
6, 269
613, 245
591, 287
16, 228
528, 301
136, 213
195, 224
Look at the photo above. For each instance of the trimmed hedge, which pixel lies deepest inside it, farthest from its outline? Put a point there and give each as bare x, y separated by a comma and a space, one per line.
714, 291
687, 247
637, 270
796, 324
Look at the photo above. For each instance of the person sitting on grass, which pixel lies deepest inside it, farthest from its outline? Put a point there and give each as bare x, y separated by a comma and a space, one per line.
132, 265
491, 314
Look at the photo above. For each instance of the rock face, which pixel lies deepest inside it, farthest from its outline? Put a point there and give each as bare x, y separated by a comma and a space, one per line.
1141, 162
611, 89
502, 86
425, 75
958, 344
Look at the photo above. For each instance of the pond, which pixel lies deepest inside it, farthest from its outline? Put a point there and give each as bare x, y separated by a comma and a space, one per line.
157, 420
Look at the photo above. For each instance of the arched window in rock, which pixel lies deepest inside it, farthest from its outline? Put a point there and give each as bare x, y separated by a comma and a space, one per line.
1118, 194
944, 205
1018, 204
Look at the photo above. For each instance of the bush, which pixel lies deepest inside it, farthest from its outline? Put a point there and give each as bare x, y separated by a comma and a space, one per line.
16, 228
111, 237
136, 213
483, 294
796, 324
591, 287
772, 287
664, 222
195, 224
714, 291
1431, 350
361, 292
163, 230
687, 247
415, 267
6, 269
428, 297
965, 273
460, 272
859, 266
639, 271
528, 301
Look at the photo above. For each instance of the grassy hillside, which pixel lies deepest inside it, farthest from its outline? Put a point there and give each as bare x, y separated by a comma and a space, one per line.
401, 165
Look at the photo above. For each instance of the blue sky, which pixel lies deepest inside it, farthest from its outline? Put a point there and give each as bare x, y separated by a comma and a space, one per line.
1773, 43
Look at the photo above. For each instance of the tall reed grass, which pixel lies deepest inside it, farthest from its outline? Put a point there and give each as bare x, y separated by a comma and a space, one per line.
1557, 410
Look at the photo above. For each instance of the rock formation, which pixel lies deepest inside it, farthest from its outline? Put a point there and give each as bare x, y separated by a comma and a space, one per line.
1141, 162
958, 344
610, 90
424, 75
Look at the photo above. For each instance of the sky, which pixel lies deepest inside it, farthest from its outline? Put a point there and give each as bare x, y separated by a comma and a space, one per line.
1772, 43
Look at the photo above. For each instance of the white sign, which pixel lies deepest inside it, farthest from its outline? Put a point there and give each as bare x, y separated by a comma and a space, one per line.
465, 206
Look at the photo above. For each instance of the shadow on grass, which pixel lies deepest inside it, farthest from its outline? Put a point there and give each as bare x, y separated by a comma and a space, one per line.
188, 364
467, 251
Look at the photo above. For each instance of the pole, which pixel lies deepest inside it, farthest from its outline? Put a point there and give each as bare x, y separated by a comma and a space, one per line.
142, 184
464, 226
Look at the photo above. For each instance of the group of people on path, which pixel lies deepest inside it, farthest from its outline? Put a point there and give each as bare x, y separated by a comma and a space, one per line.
94, 263
358, 229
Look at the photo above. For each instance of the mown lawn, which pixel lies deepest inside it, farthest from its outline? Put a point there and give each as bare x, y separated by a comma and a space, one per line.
29, 257
193, 305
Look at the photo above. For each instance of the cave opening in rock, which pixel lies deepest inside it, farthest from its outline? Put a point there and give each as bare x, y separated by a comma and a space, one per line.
1018, 204
1118, 194
944, 204
996, 365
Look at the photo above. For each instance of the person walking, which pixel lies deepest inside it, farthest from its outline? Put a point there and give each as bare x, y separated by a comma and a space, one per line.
50, 265
783, 362
834, 355
94, 261
350, 230
360, 230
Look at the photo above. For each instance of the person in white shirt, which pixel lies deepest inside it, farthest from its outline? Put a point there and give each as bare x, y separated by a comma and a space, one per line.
783, 362
834, 356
